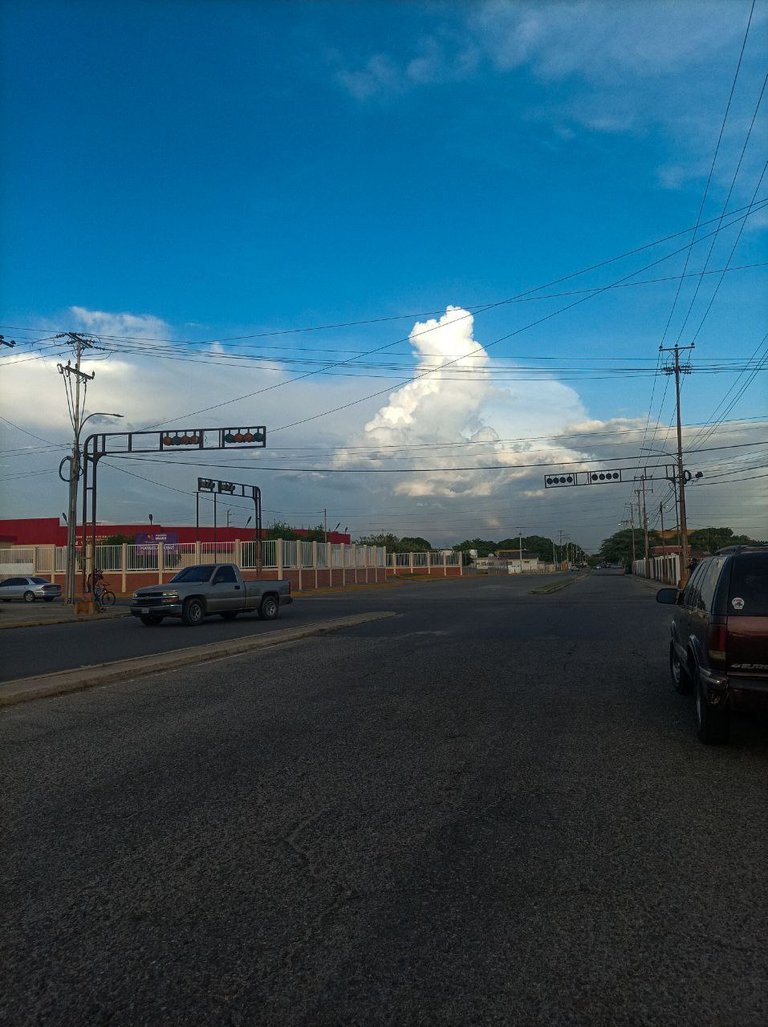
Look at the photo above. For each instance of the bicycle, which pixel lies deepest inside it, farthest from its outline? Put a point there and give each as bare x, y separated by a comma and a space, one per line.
103, 597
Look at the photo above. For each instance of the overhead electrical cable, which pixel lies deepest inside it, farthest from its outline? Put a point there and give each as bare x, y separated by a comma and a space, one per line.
422, 470
712, 166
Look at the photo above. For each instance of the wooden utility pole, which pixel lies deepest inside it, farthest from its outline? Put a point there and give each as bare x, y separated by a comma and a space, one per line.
677, 369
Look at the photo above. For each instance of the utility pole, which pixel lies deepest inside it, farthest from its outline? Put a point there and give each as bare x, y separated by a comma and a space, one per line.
9, 344
632, 526
75, 384
520, 534
644, 523
663, 542
677, 369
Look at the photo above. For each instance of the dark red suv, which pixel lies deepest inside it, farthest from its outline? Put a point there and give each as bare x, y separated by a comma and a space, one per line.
719, 644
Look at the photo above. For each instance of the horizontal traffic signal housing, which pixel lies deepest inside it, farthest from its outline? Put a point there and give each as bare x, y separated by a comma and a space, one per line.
249, 436
557, 480
180, 438
563, 479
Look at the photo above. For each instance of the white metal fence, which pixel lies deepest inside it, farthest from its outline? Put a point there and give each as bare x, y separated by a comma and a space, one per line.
665, 569
274, 555
435, 561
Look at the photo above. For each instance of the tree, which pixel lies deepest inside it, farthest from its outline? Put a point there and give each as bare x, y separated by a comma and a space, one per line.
316, 534
390, 541
709, 540
414, 545
118, 540
279, 529
618, 548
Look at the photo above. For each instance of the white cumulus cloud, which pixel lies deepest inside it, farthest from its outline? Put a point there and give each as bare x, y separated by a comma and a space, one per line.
452, 417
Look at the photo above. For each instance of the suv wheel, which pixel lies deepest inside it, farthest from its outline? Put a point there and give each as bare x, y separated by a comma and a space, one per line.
713, 722
681, 679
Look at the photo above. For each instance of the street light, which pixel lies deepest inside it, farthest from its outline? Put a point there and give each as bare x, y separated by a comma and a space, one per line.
71, 518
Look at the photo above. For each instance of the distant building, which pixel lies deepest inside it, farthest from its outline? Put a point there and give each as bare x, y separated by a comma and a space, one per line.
516, 561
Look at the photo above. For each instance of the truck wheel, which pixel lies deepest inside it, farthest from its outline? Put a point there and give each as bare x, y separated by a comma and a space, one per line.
681, 679
150, 622
229, 615
269, 608
193, 612
713, 722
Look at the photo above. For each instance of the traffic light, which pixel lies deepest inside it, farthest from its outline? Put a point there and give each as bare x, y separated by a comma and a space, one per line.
249, 436
595, 477
180, 438
557, 480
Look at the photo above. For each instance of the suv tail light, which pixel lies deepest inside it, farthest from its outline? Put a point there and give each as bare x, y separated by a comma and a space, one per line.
716, 637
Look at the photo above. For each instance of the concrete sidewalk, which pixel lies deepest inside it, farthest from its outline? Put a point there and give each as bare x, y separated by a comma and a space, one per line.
30, 615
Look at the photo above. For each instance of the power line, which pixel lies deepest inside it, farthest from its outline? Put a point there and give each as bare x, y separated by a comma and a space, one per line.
425, 470
398, 317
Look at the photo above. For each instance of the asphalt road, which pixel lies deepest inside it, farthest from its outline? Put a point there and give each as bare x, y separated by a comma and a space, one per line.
491, 809
56, 647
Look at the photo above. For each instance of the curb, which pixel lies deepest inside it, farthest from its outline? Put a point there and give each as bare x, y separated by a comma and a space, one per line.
62, 682
557, 586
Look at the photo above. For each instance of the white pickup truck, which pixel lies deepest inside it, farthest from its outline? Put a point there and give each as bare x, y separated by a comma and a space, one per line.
209, 588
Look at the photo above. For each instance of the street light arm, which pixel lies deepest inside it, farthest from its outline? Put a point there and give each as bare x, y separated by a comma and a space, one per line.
96, 413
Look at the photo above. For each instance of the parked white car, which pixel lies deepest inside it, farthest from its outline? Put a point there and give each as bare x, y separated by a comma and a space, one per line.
29, 589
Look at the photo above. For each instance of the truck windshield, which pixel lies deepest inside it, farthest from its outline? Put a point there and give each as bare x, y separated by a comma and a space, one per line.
194, 574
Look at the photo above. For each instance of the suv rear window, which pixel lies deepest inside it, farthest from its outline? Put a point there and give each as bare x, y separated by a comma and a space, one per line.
749, 586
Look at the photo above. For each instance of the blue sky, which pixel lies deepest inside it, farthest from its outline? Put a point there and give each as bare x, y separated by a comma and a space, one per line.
198, 171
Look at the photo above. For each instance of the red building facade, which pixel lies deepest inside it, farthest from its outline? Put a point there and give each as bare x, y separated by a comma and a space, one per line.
49, 531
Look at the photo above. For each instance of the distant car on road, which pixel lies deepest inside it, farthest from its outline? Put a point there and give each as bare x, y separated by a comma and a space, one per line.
29, 589
719, 643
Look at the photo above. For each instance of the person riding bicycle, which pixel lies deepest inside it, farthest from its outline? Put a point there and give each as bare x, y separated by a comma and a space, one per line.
95, 582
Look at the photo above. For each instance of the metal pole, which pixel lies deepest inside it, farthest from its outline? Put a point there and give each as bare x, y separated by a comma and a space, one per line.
257, 518
74, 478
